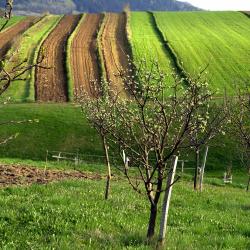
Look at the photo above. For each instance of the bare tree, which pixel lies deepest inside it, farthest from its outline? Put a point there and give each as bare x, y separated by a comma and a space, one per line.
98, 108
152, 125
8, 8
239, 108
204, 130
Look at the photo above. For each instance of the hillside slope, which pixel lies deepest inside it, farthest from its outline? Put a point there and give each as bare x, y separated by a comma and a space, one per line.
69, 6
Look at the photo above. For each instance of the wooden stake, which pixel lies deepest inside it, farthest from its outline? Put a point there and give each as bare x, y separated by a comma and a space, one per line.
203, 168
166, 203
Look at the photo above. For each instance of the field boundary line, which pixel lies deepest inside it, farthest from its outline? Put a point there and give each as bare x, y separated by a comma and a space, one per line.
100, 57
70, 80
173, 57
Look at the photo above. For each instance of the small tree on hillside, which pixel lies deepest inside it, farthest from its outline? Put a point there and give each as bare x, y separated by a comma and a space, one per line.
204, 130
98, 109
152, 125
239, 108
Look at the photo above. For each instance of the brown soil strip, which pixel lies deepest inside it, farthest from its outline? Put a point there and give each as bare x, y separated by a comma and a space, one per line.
8, 37
84, 61
20, 175
115, 49
51, 84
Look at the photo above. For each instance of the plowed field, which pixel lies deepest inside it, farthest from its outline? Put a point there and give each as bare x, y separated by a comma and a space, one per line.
51, 84
8, 36
22, 175
84, 62
114, 47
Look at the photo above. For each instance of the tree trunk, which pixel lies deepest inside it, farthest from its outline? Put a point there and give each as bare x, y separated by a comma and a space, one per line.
105, 146
196, 173
248, 183
152, 221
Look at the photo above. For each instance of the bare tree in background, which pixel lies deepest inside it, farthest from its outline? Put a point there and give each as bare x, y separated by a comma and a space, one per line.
99, 110
204, 130
151, 126
8, 8
239, 108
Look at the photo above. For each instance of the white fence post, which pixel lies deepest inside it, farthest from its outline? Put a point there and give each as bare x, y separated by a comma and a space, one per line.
203, 168
166, 202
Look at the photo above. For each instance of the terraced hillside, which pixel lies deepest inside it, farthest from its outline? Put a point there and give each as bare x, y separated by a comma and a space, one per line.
219, 40
27, 44
51, 84
83, 54
99, 47
8, 36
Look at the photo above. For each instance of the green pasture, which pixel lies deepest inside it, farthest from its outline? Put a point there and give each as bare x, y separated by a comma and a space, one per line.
14, 20
61, 127
219, 41
74, 215
146, 42
27, 46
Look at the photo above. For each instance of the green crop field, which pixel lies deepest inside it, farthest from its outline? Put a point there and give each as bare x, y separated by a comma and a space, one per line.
220, 40
11, 22
146, 42
28, 45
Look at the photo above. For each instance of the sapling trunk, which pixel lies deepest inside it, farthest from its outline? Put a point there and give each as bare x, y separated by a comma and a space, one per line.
248, 183
152, 221
105, 147
196, 173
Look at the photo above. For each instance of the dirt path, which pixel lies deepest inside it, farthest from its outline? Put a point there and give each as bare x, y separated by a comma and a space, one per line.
7, 37
51, 84
21, 175
84, 62
115, 48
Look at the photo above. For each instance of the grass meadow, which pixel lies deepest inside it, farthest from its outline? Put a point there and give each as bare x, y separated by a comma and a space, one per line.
61, 127
27, 46
219, 40
74, 215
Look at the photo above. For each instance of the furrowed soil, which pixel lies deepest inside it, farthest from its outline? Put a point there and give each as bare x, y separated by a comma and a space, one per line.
51, 84
84, 61
115, 49
8, 36
21, 175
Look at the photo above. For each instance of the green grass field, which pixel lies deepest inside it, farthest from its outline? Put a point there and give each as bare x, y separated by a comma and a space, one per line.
27, 45
74, 215
14, 20
220, 40
146, 42
61, 127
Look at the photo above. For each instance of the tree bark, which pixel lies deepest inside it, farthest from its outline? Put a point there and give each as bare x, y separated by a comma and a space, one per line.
152, 221
248, 183
196, 173
105, 146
